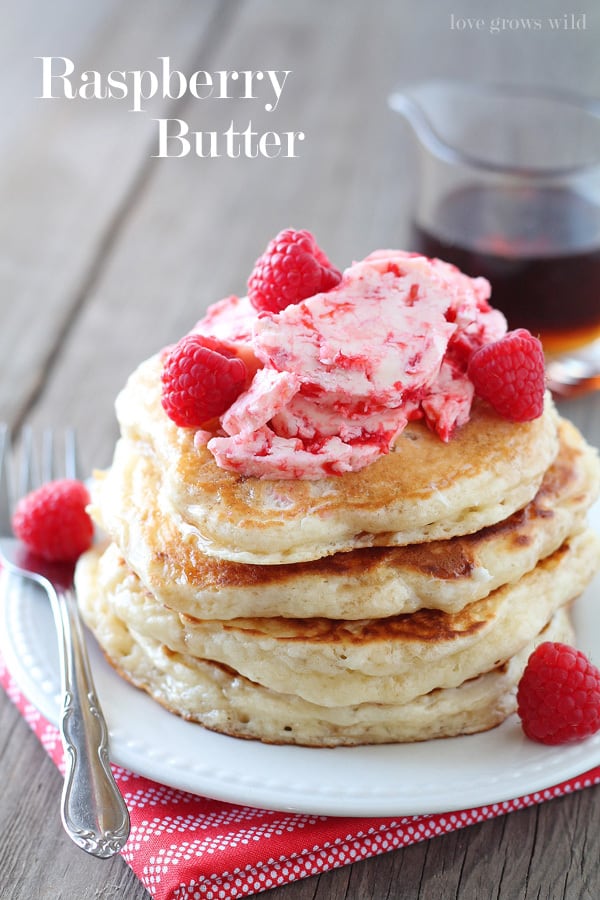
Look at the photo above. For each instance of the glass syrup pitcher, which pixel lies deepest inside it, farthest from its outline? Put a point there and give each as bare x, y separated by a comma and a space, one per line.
509, 188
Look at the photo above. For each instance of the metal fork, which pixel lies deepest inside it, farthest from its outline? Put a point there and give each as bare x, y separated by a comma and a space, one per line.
93, 811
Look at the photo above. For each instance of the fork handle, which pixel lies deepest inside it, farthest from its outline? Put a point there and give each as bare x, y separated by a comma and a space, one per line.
93, 811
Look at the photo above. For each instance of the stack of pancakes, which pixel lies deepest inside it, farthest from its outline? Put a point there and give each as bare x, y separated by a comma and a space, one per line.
396, 603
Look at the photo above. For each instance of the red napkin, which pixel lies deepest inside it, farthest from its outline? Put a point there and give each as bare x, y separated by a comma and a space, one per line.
184, 846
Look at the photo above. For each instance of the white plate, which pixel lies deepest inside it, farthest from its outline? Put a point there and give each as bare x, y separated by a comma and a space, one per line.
390, 780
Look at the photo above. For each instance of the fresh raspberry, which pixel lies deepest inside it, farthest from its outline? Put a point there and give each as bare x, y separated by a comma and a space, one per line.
559, 695
292, 268
52, 520
201, 378
509, 374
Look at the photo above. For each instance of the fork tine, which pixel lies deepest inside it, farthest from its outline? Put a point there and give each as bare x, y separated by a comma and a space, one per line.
47, 455
5, 481
29, 463
71, 458
54, 463
27, 469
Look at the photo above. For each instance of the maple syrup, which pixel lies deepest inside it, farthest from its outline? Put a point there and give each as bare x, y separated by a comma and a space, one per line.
538, 247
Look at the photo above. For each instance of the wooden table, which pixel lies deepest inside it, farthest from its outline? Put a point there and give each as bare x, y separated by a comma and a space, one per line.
107, 253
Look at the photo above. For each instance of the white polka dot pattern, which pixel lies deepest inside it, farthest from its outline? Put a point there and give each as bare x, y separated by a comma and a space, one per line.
185, 847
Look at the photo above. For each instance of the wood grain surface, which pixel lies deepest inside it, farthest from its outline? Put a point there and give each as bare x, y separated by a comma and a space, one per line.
107, 254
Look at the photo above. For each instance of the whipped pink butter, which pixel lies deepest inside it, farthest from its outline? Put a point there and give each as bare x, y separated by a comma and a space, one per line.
339, 375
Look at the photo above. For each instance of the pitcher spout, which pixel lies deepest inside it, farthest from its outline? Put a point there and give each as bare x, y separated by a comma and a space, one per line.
421, 107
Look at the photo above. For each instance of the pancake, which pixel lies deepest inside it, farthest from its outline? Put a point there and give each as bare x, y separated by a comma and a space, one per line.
369, 582
221, 700
368, 553
336, 662
423, 490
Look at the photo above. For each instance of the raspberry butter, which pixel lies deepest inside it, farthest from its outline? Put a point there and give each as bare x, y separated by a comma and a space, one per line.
339, 374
